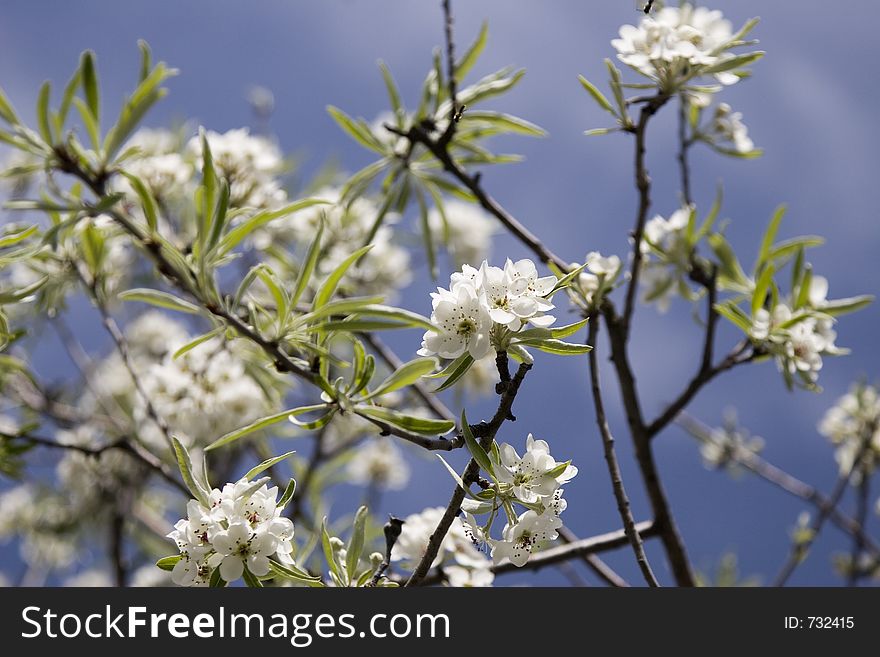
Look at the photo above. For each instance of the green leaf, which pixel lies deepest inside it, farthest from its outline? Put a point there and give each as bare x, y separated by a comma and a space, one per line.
557, 347
291, 572
427, 234
405, 375
474, 447
358, 130
353, 324
738, 61
331, 556
504, 123
328, 287
43, 113
148, 203
761, 288
770, 236
454, 371
13, 238
235, 236
566, 280
308, 267
454, 474
787, 248
734, 314
251, 581
168, 563
287, 495
262, 423
472, 54
195, 342
185, 464
597, 95
616, 89
89, 122
265, 465
7, 112
848, 305
418, 425
160, 299
90, 84
356, 542
729, 264
393, 93
216, 580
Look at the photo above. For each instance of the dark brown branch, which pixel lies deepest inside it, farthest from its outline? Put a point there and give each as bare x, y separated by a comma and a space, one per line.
601, 569
418, 135
123, 444
785, 481
858, 547
643, 185
486, 436
668, 530
701, 378
623, 507
683, 145
800, 550
448, 22
561, 553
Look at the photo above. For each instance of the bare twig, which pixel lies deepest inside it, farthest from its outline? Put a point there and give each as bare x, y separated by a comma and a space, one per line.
667, 529
683, 145
560, 553
601, 569
786, 482
863, 494
623, 507
800, 549
643, 185
487, 434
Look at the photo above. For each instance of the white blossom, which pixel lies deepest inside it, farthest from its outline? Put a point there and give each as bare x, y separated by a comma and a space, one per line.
461, 577
519, 540
467, 231
532, 476
416, 532
675, 43
243, 528
727, 126
463, 322
378, 463
853, 425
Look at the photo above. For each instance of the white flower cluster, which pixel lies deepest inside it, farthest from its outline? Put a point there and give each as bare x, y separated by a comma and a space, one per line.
200, 395
852, 423
158, 163
727, 126
242, 528
462, 562
465, 228
724, 445
249, 163
599, 276
665, 274
483, 305
675, 43
383, 270
797, 339
378, 463
533, 481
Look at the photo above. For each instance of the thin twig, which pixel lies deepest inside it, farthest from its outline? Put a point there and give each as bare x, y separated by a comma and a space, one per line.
623, 507
601, 569
800, 550
471, 472
560, 553
673, 543
643, 185
683, 145
863, 494
784, 481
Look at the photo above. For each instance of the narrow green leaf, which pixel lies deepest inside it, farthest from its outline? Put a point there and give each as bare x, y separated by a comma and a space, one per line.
168, 563
90, 84
328, 287
43, 113
770, 236
848, 305
355, 129
160, 299
308, 267
457, 369
291, 572
472, 54
148, 203
356, 542
474, 447
735, 315
405, 375
185, 464
761, 288
252, 581
331, 556
262, 423
265, 465
288, 494
421, 426
597, 95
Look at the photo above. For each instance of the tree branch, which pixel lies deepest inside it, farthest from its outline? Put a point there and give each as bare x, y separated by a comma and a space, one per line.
623, 507
487, 435
561, 553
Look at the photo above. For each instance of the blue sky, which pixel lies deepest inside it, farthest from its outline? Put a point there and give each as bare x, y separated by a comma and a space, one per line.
810, 106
